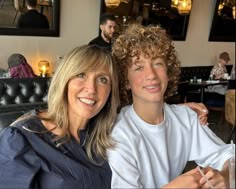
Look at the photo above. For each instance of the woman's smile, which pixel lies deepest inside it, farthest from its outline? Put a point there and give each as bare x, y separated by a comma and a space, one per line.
87, 101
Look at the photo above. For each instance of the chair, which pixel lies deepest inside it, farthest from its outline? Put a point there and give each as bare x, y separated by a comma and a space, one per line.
7, 118
231, 84
216, 102
18, 8
180, 95
230, 111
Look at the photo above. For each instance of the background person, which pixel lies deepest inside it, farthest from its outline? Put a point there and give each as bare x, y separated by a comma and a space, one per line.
219, 69
18, 67
154, 140
107, 27
65, 146
32, 18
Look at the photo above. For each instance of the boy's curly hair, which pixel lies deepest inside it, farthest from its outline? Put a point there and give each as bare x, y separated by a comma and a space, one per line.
154, 42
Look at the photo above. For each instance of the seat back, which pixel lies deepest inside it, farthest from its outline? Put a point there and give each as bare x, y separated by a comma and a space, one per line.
230, 107
231, 84
17, 94
8, 117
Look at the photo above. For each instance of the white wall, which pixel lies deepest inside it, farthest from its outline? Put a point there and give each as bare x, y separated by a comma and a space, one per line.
196, 50
79, 24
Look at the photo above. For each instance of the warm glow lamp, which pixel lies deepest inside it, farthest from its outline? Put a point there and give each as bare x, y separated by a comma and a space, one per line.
114, 3
228, 5
183, 6
233, 11
43, 66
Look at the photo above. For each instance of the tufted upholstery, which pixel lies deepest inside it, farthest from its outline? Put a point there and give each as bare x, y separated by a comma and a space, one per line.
23, 93
18, 96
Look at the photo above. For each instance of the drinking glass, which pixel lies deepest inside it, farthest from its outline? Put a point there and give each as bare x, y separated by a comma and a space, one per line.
232, 172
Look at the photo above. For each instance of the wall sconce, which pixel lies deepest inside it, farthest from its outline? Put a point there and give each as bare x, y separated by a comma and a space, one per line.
183, 6
114, 3
226, 8
233, 11
43, 67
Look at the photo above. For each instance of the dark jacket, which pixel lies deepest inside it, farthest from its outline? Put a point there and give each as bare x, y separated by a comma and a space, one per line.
33, 160
33, 19
99, 41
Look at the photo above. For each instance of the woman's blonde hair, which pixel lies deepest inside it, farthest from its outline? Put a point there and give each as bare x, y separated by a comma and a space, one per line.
82, 59
153, 42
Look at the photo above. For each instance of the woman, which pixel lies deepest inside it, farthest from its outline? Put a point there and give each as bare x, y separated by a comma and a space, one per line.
64, 146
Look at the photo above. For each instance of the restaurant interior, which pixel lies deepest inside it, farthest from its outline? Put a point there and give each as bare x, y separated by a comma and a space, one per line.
194, 28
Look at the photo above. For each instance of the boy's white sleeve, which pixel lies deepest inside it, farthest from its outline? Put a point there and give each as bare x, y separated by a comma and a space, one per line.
125, 173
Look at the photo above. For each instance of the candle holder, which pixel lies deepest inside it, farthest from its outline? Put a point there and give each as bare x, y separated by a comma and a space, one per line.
43, 66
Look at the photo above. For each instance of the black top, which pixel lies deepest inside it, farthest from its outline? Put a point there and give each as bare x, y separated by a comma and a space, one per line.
99, 41
32, 160
33, 19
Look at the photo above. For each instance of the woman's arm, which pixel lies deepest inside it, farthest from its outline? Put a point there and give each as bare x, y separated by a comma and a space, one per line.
190, 179
200, 109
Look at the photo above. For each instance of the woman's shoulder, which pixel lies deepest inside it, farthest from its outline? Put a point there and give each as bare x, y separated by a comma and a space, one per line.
15, 132
16, 156
17, 137
28, 121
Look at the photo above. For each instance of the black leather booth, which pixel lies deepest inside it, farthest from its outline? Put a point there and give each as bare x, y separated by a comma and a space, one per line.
18, 96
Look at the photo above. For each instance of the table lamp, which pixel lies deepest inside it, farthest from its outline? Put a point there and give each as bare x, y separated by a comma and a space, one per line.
43, 66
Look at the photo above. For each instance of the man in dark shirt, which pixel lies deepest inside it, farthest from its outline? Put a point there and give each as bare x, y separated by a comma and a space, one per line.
32, 18
107, 27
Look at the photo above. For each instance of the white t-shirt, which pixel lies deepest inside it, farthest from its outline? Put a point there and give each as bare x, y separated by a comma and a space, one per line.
150, 156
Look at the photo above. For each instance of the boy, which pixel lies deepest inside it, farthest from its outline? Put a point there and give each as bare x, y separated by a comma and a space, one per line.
155, 140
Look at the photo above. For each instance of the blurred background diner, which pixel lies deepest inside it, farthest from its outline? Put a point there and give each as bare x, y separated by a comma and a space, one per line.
37, 13
32, 18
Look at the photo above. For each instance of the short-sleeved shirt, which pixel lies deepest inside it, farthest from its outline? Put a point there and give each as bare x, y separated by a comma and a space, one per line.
150, 156
218, 71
